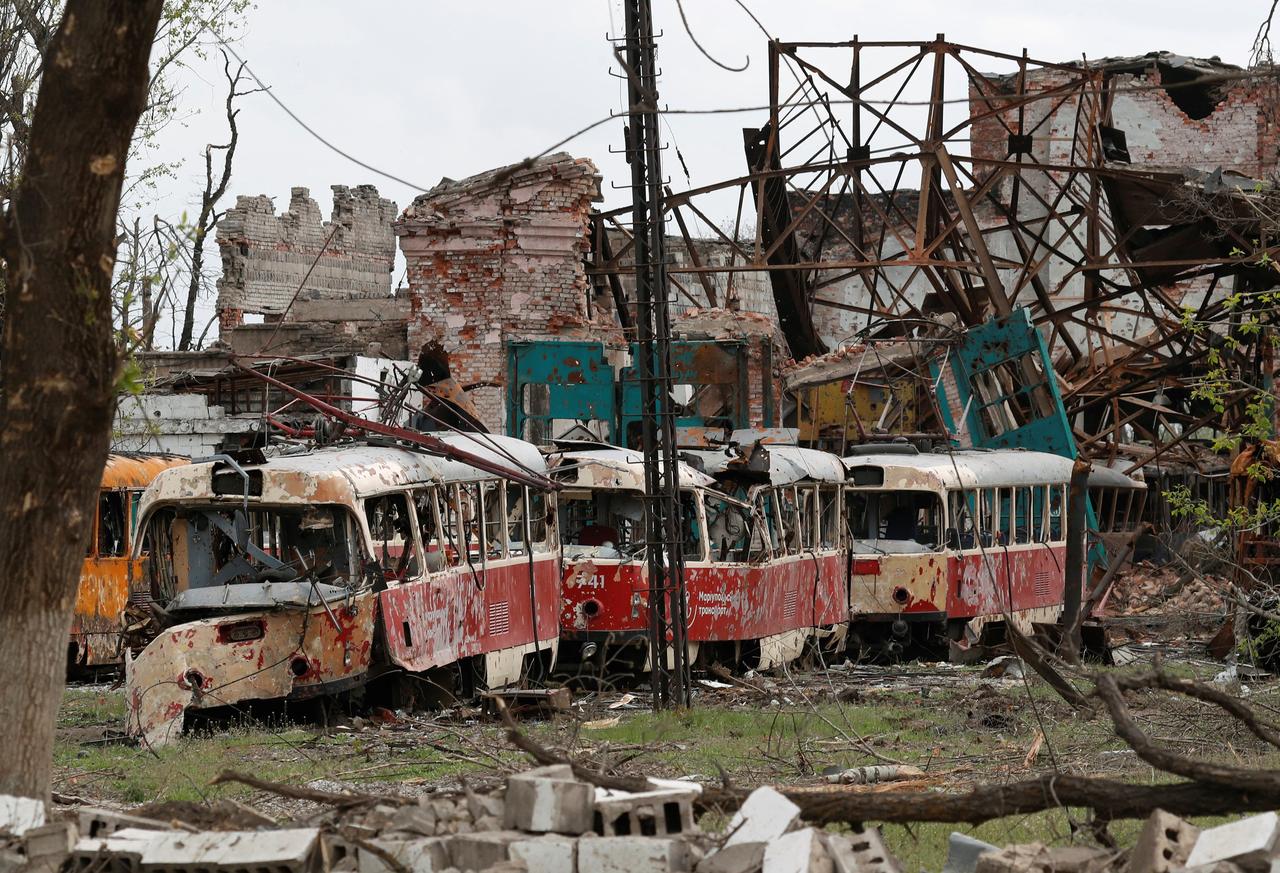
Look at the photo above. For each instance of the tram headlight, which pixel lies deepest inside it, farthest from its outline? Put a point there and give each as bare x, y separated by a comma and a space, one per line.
589, 650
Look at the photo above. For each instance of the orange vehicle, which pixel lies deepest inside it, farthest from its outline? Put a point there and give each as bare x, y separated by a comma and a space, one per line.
98, 624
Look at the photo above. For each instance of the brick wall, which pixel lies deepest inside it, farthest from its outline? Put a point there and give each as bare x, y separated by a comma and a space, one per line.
265, 256
498, 256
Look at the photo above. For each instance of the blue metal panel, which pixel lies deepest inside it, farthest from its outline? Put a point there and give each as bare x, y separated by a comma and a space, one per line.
578, 380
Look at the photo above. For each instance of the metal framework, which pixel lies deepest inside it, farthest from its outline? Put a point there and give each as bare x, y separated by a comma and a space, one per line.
876, 199
667, 608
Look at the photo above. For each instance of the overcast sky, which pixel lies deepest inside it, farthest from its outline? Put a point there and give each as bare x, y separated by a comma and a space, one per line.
425, 90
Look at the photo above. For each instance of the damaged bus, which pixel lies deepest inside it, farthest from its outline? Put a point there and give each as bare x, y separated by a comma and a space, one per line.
944, 543
102, 599
764, 570
313, 572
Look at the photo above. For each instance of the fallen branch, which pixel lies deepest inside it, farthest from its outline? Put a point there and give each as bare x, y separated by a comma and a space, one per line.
546, 757
298, 792
1109, 798
1037, 659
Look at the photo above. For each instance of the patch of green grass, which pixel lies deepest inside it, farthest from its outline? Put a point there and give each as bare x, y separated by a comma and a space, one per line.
85, 707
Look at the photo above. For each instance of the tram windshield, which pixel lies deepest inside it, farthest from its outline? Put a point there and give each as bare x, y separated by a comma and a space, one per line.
601, 523
894, 522
203, 548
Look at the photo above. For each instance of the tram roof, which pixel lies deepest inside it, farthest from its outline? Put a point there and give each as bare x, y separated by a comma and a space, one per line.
345, 473
966, 468
616, 468
136, 469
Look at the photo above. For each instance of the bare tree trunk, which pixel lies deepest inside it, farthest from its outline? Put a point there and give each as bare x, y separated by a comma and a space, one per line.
209, 200
60, 359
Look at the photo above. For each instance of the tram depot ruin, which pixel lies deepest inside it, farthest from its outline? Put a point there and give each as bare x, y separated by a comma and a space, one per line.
948, 432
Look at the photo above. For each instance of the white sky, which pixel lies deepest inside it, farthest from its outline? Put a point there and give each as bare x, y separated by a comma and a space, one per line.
432, 89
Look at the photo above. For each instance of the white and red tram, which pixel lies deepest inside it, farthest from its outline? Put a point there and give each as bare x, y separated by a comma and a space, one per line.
943, 543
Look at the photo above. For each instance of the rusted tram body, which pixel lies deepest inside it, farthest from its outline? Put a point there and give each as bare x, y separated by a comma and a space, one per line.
313, 573
941, 544
98, 622
764, 570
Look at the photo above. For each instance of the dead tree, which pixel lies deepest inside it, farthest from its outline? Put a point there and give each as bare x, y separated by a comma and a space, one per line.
61, 361
210, 197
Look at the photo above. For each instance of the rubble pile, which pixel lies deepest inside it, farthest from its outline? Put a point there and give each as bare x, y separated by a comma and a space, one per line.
1164, 590
548, 821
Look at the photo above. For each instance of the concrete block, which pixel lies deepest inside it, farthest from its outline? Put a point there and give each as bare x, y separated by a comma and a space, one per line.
632, 855
101, 822
738, 858
963, 852
419, 855
1249, 842
550, 853
864, 852
1165, 842
19, 813
480, 851
644, 813
48, 846
549, 799
764, 816
800, 851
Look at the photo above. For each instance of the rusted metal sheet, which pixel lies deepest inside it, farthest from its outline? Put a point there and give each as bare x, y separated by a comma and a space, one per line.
614, 468
258, 655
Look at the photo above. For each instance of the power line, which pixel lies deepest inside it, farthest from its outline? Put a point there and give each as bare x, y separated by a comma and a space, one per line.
308, 128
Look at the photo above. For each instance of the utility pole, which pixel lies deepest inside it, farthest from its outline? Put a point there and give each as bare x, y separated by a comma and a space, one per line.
668, 620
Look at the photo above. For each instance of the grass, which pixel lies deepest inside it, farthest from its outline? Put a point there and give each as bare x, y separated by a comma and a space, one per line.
960, 733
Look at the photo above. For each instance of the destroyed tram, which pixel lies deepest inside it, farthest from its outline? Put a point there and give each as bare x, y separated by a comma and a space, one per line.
317, 571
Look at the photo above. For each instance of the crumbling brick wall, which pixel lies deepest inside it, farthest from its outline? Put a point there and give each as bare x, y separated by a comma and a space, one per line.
497, 257
265, 256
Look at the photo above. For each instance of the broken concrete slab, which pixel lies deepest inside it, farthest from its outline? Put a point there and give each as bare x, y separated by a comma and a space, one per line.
764, 816
480, 851
549, 853
963, 852
287, 849
17, 814
1249, 842
418, 855
1164, 842
549, 799
862, 852
95, 822
632, 855
802, 851
738, 858
1038, 858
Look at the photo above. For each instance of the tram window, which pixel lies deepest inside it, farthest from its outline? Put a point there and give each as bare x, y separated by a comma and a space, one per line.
987, 516
438, 540
962, 534
469, 529
1006, 515
601, 522
691, 539
829, 520
495, 520
727, 529
806, 504
763, 533
895, 521
1039, 533
1056, 504
537, 503
392, 532
111, 524
1022, 516
515, 520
